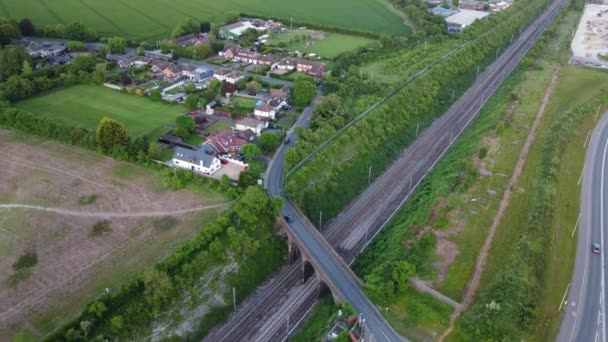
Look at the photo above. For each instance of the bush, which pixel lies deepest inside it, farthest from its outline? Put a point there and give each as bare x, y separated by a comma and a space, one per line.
483, 152
27, 260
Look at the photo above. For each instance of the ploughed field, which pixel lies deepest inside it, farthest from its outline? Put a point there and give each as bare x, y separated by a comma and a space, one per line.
52, 264
148, 19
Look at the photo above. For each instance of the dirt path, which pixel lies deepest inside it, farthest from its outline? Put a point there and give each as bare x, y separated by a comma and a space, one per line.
111, 214
424, 287
504, 203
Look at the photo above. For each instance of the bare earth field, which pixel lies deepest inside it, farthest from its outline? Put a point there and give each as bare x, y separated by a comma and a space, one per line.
79, 251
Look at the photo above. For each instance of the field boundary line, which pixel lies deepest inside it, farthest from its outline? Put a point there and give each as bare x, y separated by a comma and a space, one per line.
102, 16
4, 9
143, 14
52, 11
69, 212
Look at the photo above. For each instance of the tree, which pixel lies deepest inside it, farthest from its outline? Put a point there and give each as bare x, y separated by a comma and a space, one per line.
203, 51
277, 204
117, 45
205, 26
455, 3
254, 86
54, 30
26, 70
304, 91
111, 133
186, 26
189, 88
250, 151
213, 89
231, 17
117, 324
241, 84
191, 101
184, 126
83, 63
86, 327
77, 31
155, 151
11, 60
402, 272
26, 27
100, 73
8, 32
97, 308
74, 45
269, 141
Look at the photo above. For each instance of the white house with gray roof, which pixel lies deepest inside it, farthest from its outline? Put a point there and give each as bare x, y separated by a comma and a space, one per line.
196, 160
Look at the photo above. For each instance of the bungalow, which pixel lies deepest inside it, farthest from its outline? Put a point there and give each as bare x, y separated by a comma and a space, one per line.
196, 160
251, 124
192, 39
234, 76
282, 93
226, 142
221, 74
264, 111
314, 69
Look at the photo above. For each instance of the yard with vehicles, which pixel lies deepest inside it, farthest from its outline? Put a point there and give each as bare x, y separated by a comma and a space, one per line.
98, 226
325, 44
156, 19
84, 105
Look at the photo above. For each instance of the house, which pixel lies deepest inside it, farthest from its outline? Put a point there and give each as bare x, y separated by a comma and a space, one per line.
192, 39
251, 124
202, 74
35, 49
234, 76
236, 30
226, 142
264, 111
314, 69
443, 12
196, 160
282, 93
122, 61
221, 74
171, 71
287, 64
32, 48
230, 50
157, 54
138, 61
263, 59
247, 135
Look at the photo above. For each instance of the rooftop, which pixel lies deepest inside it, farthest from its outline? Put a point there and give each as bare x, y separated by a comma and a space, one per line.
466, 17
198, 156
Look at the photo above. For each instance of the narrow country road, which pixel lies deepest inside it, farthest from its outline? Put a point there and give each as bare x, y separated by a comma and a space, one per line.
77, 213
585, 310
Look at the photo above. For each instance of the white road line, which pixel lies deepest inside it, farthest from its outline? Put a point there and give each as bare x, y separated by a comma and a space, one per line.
603, 295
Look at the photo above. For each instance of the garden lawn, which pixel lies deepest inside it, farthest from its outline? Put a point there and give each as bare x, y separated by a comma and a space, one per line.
151, 19
85, 105
244, 102
333, 44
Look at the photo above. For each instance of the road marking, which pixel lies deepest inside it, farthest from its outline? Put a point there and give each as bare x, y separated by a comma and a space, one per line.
563, 298
587, 138
575, 226
603, 296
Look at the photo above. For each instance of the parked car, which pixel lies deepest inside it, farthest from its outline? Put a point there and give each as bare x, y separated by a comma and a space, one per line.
286, 107
251, 93
223, 161
193, 112
286, 141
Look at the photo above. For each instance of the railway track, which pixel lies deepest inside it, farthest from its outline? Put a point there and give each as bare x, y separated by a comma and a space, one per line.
364, 218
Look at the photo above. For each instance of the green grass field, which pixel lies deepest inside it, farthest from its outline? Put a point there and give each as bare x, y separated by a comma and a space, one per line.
330, 47
85, 105
150, 19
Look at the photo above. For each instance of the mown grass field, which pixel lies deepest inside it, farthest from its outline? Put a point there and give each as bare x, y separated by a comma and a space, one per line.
333, 44
150, 19
85, 105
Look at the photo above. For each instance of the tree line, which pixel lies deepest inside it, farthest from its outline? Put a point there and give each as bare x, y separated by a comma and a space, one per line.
337, 174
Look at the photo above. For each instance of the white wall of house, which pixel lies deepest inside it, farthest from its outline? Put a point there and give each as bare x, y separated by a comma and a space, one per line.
258, 129
233, 80
219, 77
215, 165
270, 114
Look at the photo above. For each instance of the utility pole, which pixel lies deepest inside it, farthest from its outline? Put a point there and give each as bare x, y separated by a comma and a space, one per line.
320, 219
234, 298
369, 175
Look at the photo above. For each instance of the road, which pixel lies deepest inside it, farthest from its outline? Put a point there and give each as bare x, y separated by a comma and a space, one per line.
585, 310
355, 227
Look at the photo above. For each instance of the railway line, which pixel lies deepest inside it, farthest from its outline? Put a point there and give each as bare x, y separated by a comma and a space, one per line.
363, 219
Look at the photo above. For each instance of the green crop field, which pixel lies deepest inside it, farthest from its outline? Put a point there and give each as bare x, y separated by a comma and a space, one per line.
331, 46
85, 105
149, 19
